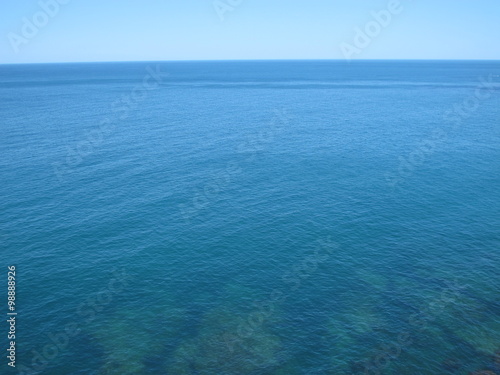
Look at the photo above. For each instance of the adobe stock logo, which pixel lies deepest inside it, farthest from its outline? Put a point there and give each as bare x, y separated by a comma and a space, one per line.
371, 30
32, 26
223, 6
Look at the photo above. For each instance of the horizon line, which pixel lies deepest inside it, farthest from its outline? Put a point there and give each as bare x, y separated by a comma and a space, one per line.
236, 60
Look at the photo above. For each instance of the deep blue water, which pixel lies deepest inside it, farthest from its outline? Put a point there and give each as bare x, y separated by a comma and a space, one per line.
253, 218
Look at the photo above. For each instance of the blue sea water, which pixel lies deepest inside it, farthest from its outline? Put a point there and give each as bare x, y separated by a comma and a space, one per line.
258, 217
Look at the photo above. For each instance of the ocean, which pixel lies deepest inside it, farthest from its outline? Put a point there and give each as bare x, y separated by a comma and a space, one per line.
252, 217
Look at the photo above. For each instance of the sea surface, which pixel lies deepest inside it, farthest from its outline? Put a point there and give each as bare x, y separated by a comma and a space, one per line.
252, 217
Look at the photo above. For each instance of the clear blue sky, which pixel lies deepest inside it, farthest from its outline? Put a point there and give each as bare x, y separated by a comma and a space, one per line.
129, 30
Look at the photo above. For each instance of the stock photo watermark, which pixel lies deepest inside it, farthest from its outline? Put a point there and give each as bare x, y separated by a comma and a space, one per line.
120, 110
264, 310
364, 36
417, 323
221, 7
456, 116
11, 315
221, 179
31, 26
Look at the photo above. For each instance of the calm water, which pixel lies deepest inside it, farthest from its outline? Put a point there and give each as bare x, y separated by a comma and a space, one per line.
236, 218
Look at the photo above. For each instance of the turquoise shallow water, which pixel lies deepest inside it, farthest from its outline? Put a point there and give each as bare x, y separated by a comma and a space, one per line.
272, 218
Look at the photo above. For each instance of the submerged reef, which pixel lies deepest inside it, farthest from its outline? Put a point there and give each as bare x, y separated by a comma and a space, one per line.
130, 336
230, 340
